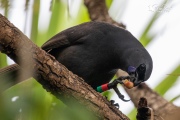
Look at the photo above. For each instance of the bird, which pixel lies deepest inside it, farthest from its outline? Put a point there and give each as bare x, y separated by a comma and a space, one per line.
95, 51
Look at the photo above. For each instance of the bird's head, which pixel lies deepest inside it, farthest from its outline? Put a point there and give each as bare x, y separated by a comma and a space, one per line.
137, 74
132, 57
138, 64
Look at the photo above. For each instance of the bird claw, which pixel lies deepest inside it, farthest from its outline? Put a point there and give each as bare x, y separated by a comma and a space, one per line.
114, 104
119, 94
124, 99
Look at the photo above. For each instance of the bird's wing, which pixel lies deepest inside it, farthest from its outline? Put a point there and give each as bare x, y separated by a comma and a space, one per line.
55, 42
68, 37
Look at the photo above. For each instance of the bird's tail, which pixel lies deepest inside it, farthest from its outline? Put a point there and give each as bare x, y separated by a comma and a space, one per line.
10, 76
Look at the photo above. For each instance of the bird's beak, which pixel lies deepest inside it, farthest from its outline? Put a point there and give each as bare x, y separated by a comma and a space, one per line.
137, 75
137, 82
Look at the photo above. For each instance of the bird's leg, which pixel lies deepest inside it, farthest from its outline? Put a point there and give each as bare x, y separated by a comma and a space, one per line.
113, 85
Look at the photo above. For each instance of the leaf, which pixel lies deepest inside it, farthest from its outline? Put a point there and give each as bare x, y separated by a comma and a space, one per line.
146, 38
57, 17
35, 20
175, 98
3, 60
108, 3
168, 82
5, 4
132, 114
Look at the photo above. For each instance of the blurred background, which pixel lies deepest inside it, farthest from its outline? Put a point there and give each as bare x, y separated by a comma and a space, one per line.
155, 23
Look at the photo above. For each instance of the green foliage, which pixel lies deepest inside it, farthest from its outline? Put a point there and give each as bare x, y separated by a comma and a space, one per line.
3, 60
57, 18
146, 36
108, 3
35, 20
29, 101
5, 4
175, 98
132, 114
168, 82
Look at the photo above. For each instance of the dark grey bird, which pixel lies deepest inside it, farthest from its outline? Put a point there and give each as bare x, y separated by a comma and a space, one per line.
95, 51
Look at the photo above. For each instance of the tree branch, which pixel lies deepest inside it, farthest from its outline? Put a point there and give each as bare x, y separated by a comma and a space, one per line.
144, 112
99, 12
160, 106
53, 76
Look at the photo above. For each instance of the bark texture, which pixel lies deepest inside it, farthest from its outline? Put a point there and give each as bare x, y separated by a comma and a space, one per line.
144, 112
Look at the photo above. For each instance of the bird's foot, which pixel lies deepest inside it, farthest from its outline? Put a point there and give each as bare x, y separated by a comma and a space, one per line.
120, 95
114, 104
